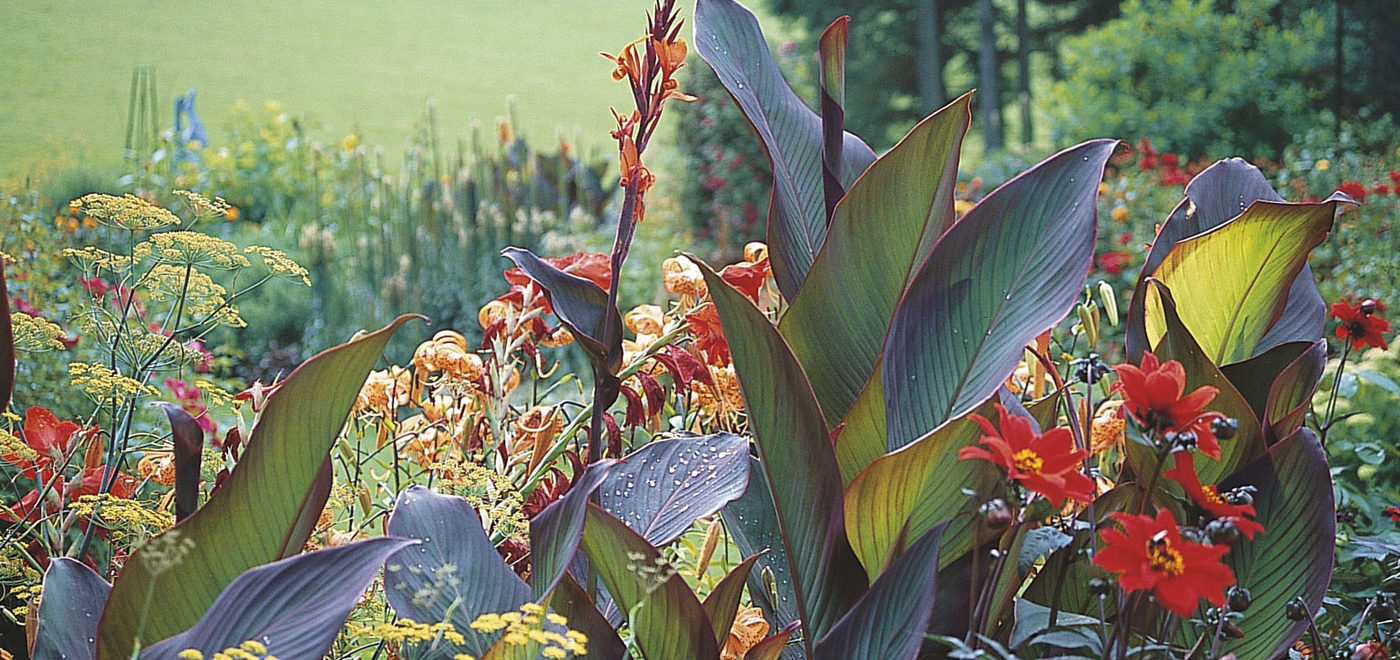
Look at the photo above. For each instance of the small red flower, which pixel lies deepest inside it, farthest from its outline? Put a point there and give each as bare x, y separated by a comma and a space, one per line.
1152, 394
709, 335
1359, 323
1208, 498
1148, 554
1394, 514
1047, 464
1353, 189
50, 439
1113, 263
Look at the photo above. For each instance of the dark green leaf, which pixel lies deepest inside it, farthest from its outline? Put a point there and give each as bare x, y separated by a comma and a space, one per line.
728, 38
723, 602
666, 618
752, 523
889, 621
70, 605
555, 532
570, 600
660, 489
7, 344
453, 569
1293, 556
579, 304
1007, 271
832, 52
774, 646
795, 447
881, 232
249, 521
295, 607
1291, 393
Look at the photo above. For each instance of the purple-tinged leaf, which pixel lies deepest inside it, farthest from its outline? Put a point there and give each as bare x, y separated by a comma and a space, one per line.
889, 621
311, 509
728, 38
571, 601
252, 518
555, 532
580, 304
664, 487
187, 438
1218, 194
832, 53
774, 646
666, 618
70, 605
1007, 271
723, 602
294, 607
1279, 384
795, 447
882, 230
453, 569
1293, 556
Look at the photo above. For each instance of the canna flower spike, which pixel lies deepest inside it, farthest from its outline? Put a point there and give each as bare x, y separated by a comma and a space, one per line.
1154, 396
1149, 554
1045, 463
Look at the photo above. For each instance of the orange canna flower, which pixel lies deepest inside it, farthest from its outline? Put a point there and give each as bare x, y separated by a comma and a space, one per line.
671, 54
627, 63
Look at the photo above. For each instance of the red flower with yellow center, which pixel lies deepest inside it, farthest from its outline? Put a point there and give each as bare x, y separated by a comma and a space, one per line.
1148, 554
1153, 395
1208, 498
1045, 463
1359, 323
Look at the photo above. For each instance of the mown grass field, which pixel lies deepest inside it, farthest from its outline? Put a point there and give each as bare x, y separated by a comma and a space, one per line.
345, 66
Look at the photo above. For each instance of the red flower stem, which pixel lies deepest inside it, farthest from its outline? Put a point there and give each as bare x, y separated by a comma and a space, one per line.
1336, 388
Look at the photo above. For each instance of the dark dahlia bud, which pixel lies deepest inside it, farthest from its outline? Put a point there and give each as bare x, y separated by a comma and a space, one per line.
1100, 587
1090, 369
1231, 630
1295, 610
996, 514
1368, 307
1192, 534
1225, 427
1222, 532
1241, 496
1239, 598
1385, 604
1184, 441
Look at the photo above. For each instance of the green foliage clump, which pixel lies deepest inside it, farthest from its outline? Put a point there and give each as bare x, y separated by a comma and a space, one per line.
1194, 78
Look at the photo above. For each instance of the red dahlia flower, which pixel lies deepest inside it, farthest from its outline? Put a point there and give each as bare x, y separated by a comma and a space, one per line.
1148, 554
1047, 464
1354, 189
1360, 325
1208, 498
1152, 394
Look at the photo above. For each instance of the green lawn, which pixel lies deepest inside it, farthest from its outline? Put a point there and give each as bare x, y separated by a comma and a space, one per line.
345, 65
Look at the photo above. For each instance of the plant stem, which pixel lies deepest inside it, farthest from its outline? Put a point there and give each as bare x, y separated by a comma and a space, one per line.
1336, 389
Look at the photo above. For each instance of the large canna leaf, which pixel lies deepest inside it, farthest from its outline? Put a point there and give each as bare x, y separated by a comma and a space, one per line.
667, 620
555, 532
728, 38
774, 647
1007, 271
294, 607
1218, 194
579, 304
1179, 344
904, 200
889, 621
188, 440
911, 490
1232, 282
1279, 384
570, 600
7, 344
69, 606
795, 448
752, 523
723, 602
252, 517
831, 50
660, 489
1293, 556
419, 583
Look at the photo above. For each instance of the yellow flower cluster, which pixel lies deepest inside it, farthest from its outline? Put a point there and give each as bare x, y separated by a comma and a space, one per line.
127, 212
28, 595
278, 263
527, 626
203, 297
105, 385
215, 395
120, 514
92, 259
14, 450
191, 248
34, 334
408, 632
493, 495
166, 551
202, 206
249, 650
